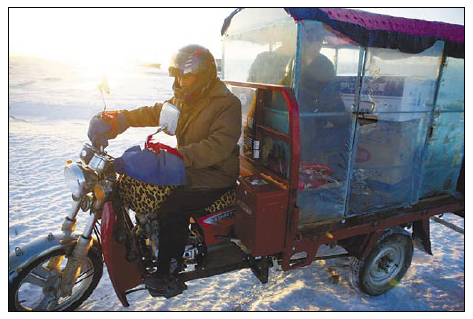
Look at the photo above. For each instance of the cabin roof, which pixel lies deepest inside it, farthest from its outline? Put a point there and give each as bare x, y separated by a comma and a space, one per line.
383, 31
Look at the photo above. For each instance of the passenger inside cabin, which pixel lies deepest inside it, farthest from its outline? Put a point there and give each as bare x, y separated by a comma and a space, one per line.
269, 67
324, 120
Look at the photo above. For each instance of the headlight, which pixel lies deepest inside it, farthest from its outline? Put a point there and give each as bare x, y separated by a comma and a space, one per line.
75, 179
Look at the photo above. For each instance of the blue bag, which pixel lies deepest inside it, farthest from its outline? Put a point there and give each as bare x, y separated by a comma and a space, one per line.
146, 166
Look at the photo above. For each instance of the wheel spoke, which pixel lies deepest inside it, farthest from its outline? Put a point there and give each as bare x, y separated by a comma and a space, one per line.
84, 275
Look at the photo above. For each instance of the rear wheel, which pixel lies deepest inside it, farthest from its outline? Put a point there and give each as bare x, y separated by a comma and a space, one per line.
385, 265
36, 287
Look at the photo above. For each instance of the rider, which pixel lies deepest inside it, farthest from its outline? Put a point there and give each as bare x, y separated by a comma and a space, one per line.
208, 130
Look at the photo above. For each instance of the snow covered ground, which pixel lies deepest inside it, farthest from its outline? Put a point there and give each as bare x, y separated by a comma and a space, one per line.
49, 109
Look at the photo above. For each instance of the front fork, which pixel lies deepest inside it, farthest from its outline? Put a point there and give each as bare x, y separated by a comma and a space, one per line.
72, 270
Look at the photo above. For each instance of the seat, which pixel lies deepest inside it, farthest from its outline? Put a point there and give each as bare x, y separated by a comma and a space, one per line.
143, 198
226, 200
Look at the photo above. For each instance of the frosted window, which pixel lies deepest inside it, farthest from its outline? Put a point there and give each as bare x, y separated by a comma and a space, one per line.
259, 47
395, 111
326, 96
445, 149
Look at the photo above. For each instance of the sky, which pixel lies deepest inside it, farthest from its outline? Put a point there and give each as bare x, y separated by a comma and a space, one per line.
113, 35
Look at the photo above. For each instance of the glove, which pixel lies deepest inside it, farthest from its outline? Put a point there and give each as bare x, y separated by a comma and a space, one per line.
105, 126
145, 166
98, 127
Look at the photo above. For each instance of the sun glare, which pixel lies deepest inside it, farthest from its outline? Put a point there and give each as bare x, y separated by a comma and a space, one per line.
91, 37
91, 43
109, 36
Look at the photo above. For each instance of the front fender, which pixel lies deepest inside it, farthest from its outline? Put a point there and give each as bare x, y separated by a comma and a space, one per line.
22, 256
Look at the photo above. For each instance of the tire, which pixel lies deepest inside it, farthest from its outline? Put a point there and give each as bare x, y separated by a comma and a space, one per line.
35, 286
385, 265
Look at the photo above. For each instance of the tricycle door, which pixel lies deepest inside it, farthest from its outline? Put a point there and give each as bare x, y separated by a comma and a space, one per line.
326, 86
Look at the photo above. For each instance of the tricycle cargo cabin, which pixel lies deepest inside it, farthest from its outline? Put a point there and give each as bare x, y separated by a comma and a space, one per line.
353, 134
357, 118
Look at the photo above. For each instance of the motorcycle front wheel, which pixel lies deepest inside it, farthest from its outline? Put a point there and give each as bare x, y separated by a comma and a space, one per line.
36, 287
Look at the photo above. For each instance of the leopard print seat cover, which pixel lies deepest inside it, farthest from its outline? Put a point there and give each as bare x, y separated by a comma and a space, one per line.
144, 198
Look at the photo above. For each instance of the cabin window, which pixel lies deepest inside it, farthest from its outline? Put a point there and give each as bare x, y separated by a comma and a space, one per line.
445, 148
259, 47
394, 115
326, 89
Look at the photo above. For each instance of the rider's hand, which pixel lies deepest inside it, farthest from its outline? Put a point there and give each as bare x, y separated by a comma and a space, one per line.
106, 126
98, 127
148, 167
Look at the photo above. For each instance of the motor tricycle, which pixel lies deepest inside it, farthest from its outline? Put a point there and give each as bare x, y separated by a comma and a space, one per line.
363, 165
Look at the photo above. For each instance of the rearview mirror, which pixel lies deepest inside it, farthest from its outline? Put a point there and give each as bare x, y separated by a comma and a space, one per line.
168, 118
103, 86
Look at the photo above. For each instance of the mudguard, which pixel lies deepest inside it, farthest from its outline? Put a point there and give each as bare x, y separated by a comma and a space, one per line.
22, 256
123, 274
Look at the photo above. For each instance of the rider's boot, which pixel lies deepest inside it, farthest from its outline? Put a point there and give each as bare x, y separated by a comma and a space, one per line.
164, 286
165, 282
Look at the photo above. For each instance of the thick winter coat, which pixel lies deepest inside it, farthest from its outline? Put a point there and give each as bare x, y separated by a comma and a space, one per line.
207, 136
